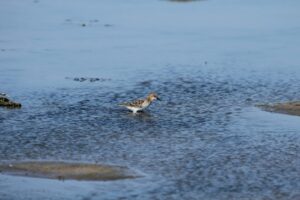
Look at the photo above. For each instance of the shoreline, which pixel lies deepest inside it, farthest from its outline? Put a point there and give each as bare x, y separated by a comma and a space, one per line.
289, 108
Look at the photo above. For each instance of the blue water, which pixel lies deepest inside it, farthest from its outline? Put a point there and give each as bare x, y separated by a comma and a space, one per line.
210, 61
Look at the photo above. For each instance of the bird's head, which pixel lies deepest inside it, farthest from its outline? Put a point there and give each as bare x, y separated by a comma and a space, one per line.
153, 96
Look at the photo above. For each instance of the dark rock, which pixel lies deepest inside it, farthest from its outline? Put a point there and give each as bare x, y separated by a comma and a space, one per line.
6, 102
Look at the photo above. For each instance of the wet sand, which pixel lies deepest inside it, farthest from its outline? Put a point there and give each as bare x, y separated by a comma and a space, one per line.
291, 108
64, 170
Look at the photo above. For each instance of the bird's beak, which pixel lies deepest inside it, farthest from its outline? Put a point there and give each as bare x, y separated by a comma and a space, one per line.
159, 99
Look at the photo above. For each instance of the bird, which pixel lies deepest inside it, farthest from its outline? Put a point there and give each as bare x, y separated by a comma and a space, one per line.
140, 104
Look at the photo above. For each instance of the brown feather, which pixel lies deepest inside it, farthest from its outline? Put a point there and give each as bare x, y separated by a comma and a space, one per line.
136, 103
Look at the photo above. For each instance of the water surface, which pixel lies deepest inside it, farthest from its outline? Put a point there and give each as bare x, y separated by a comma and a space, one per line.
210, 61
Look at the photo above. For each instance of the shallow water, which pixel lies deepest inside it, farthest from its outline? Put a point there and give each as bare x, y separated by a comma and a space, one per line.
210, 61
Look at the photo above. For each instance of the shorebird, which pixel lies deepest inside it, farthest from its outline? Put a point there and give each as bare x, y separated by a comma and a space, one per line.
140, 104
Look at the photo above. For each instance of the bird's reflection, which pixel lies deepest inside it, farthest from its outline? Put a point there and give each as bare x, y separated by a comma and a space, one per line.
141, 115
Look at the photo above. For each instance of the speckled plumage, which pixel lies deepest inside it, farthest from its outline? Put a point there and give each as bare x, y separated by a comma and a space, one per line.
140, 104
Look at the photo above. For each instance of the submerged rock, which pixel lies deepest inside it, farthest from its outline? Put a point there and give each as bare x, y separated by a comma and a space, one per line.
6, 102
291, 108
65, 170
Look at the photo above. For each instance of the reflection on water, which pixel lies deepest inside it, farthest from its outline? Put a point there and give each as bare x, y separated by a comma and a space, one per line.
141, 116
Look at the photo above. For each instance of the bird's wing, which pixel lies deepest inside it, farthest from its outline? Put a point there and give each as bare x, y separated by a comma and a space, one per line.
136, 103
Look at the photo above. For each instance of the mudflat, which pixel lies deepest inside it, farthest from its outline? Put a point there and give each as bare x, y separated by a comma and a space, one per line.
65, 170
291, 108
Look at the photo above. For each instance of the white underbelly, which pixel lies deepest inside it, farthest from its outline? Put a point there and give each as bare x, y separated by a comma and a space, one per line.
134, 109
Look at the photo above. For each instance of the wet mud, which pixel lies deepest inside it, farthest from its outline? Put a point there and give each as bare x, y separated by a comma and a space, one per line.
66, 171
291, 108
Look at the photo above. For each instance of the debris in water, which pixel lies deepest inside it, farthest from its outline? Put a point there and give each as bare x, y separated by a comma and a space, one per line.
83, 79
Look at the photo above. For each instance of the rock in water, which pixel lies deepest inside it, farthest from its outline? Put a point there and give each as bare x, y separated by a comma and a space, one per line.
6, 102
